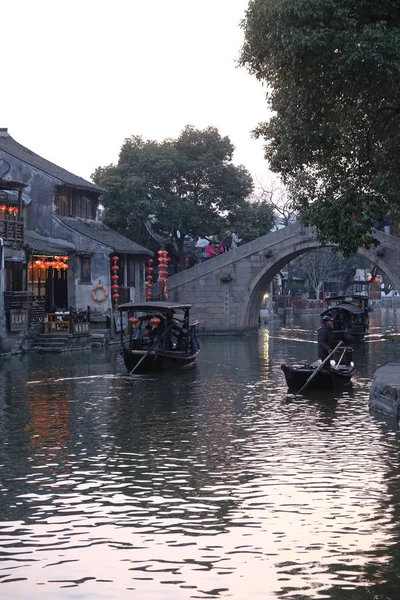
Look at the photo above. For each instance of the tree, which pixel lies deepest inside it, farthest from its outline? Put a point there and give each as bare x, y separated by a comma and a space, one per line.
278, 198
252, 219
317, 267
186, 186
332, 70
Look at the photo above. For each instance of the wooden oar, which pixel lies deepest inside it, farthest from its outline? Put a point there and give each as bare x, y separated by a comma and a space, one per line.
318, 369
143, 357
151, 348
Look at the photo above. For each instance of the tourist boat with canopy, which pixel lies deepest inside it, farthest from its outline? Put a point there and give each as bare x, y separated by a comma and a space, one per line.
160, 337
350, 315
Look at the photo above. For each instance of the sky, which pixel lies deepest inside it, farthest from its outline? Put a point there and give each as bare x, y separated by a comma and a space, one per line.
83, 75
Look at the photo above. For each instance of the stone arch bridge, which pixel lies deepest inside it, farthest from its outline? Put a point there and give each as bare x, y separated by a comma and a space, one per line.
226, 292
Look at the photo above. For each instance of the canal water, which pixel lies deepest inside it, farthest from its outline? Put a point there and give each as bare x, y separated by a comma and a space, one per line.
214, 483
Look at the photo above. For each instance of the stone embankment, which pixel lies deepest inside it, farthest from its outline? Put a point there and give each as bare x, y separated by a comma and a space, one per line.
385, 390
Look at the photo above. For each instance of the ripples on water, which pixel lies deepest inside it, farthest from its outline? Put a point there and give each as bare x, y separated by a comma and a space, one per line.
208, 484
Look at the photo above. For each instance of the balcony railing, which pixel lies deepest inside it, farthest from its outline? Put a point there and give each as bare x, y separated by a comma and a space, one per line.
12, 230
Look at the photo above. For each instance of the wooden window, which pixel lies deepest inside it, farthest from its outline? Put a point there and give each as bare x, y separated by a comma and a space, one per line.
83, 208
86, 269
13, 276
61, 204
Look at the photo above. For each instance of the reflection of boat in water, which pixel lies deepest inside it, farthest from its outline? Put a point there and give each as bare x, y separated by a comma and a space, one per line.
333, 375
350, 315
161, 336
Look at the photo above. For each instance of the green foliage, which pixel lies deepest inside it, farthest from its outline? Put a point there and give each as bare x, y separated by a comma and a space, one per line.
252, 220
185, 186
332, 69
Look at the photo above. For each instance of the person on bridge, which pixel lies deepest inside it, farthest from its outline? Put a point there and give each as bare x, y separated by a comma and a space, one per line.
326, 342
210, 252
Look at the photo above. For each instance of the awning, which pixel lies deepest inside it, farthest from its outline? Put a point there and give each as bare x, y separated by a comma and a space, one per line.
11, 255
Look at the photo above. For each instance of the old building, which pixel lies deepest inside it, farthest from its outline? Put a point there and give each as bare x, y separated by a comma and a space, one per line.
58, 258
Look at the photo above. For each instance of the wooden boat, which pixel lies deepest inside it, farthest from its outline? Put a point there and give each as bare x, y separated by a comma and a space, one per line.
350, 315
333, 375
160, 336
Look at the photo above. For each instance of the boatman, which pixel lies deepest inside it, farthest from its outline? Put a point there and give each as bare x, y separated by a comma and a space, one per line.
326, 342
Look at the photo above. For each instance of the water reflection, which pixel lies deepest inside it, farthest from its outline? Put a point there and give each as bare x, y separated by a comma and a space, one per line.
207, 484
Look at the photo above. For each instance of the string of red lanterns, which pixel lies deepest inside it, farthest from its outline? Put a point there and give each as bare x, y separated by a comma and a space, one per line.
12, 210
149, 278
163, 261
114, 279
56, 262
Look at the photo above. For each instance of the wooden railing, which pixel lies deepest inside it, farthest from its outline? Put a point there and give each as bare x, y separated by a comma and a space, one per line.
12, 231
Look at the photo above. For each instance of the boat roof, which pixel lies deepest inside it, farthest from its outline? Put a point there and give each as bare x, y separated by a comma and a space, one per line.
154, 306
348, 297
344, 306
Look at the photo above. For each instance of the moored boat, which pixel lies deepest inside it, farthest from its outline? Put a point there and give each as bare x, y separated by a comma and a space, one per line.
160, 337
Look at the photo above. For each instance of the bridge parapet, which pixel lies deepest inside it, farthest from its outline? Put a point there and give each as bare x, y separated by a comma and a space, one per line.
226, 291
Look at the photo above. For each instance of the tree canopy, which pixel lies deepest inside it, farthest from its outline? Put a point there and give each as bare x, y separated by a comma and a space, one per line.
332, 74
184, 186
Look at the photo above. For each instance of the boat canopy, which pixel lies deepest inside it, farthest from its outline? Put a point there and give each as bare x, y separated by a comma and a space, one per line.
344, 306
153, 306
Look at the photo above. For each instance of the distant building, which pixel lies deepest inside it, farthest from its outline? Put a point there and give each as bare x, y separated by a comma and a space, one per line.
56, 253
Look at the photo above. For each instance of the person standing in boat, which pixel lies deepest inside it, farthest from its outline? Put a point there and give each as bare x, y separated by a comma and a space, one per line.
326, 342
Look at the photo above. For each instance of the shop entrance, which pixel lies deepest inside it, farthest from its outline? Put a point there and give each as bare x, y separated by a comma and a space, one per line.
48, 280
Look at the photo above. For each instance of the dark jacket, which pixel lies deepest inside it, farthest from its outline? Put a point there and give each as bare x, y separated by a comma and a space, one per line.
326, 342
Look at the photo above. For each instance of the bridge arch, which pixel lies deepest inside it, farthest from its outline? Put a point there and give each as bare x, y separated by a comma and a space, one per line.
226, 292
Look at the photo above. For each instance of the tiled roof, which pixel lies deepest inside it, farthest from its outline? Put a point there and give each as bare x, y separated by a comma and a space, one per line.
98, 231
13, 148
47, 245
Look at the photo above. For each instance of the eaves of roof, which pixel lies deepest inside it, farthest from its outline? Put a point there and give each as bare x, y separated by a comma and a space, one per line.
101, 233
9, 146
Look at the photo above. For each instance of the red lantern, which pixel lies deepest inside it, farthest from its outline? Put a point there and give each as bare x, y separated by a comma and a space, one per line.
115, 287
148, 286
149, 270
115, 268
114, 277
115, 296
115, 258
155, 321
149, 261
134, 321
149, 277
148, 294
